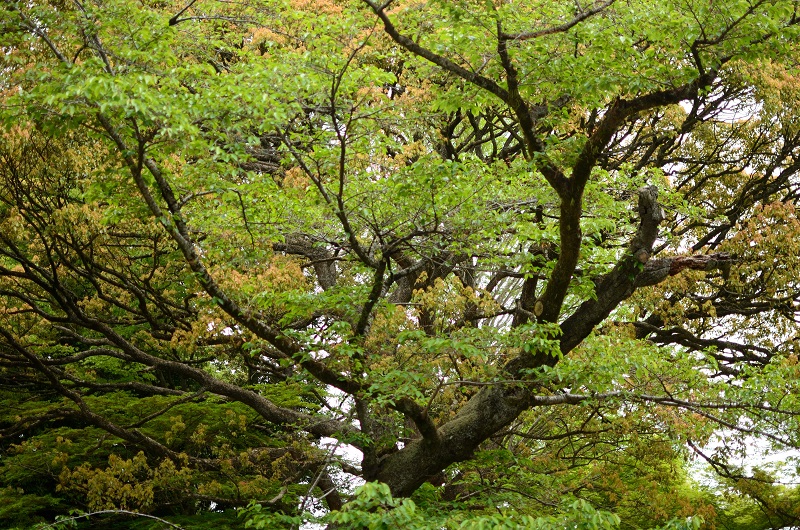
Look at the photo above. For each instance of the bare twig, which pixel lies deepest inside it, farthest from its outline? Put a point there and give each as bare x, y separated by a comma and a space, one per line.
118, 512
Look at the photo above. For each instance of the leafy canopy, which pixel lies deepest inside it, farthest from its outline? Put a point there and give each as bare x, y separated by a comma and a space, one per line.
505, 263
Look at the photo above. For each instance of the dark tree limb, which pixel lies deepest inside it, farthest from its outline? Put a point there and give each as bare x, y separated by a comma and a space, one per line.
620, 283
561, 28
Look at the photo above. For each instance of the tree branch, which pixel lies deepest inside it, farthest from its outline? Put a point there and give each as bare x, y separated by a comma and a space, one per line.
620, 283
448, 65
656, 271
420, 417
175, 226
561, 28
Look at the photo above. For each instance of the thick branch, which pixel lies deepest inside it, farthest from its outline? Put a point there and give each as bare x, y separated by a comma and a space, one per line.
322, 260
658, 270
569, 222
620, 283
419, 416
494, 407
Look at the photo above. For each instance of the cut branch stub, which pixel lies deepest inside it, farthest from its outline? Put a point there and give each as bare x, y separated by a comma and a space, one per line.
658, 270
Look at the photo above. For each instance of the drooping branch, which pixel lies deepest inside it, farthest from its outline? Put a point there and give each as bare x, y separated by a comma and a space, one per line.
87, 414
264, 407
723, 469
726, 352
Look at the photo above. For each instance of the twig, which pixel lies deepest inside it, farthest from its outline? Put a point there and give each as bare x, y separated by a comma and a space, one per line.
124, 512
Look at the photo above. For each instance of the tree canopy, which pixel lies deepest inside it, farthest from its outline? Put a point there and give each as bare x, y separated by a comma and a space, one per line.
508, 264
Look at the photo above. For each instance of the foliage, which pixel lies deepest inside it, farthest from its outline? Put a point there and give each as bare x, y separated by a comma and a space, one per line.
502, 263
373, 507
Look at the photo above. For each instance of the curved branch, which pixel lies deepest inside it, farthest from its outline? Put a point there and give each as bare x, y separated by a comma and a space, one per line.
561, 28
620, 283
658, 270
404, 41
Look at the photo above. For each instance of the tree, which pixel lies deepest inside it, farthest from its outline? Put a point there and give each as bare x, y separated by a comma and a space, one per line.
515, 255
